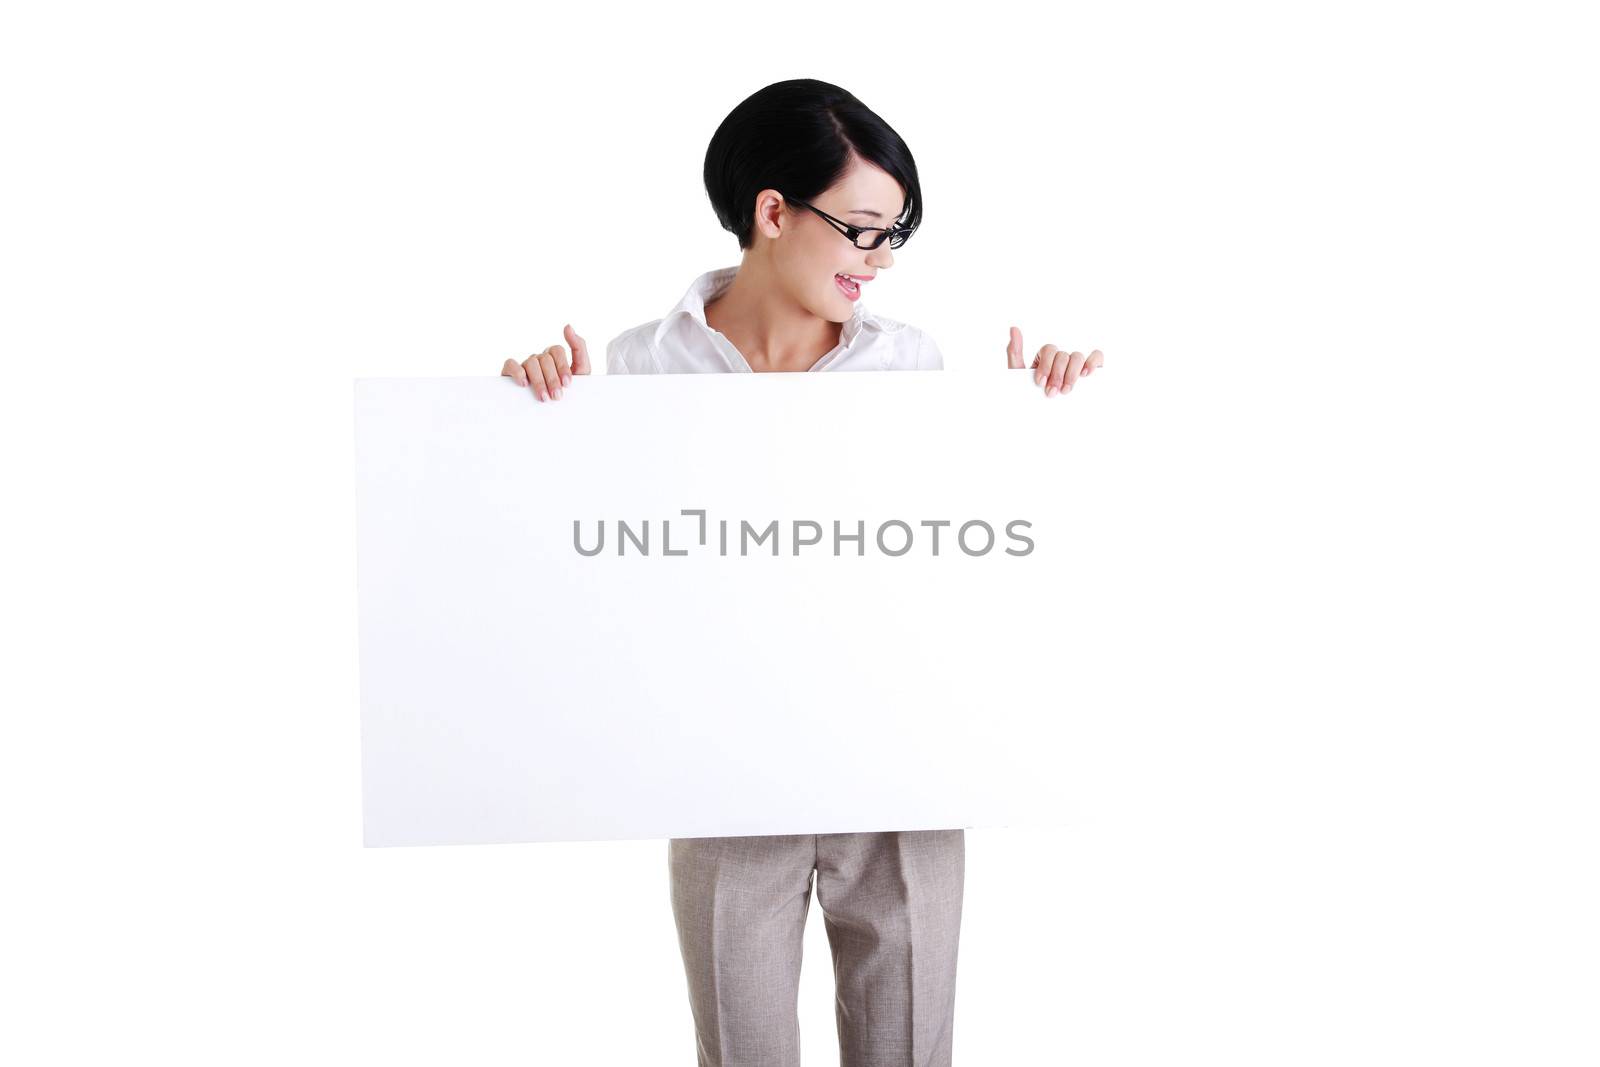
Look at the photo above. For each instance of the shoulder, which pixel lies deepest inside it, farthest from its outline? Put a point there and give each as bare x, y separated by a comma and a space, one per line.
631, 351
914, 348
885, 324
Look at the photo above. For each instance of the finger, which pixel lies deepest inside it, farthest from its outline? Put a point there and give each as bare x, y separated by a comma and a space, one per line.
1074, 368
580, 352
536, 377
1096, 359
514, 371
1041, 363
1058, 373
552, 375
1014, 349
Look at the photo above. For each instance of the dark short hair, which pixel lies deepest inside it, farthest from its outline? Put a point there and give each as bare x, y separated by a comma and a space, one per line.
797, 137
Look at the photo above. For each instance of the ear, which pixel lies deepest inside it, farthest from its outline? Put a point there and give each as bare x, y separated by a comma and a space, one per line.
769, 217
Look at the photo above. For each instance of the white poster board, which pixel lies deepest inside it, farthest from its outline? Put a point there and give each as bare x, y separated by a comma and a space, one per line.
686, 681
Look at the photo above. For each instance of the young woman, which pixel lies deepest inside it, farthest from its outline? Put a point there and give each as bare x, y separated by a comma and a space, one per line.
819, 190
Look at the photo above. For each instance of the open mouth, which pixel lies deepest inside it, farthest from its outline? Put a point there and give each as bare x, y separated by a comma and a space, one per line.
848, 285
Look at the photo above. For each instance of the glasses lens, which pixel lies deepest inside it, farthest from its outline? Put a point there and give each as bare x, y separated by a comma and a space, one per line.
874, 238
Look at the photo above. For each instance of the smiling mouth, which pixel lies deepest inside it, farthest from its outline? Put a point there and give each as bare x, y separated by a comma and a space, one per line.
850, 284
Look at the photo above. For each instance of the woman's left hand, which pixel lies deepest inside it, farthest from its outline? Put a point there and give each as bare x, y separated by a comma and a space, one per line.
1054, 368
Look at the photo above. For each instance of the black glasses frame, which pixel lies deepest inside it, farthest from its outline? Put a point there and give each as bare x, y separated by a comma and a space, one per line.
896, 235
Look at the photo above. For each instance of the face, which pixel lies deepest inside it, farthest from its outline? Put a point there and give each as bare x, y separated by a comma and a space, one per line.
811, 253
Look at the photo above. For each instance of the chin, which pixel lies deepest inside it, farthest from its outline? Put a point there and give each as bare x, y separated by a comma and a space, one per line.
838, 309
832, 314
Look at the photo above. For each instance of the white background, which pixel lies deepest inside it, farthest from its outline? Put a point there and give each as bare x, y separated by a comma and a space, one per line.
1347, 256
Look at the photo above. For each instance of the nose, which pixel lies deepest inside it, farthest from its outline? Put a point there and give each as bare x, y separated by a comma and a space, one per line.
880, 257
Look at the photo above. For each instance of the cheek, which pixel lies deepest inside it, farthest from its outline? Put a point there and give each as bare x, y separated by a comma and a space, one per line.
804, 263
820, 266
820, 258
810, 269
814, 274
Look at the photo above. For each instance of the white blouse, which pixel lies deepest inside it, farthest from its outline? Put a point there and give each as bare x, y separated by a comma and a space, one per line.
684, 343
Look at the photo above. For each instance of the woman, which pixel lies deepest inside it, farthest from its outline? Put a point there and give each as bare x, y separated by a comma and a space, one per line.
819, 190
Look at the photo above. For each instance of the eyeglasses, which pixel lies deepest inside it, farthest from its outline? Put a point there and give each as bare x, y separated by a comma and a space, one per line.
863, 236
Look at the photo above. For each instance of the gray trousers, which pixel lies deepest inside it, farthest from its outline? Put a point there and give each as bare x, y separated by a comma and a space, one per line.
891, 904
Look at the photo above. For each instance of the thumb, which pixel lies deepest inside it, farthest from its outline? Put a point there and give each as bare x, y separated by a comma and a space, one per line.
580, 350
1014, 349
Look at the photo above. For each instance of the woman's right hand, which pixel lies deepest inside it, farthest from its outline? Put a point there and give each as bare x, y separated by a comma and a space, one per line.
547, 371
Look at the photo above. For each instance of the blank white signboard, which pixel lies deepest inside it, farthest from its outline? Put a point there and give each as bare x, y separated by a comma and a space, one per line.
729, 661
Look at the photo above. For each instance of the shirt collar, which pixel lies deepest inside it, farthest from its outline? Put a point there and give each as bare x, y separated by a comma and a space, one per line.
710, 285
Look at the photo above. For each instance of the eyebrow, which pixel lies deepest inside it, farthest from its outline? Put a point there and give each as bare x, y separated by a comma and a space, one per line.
860, 211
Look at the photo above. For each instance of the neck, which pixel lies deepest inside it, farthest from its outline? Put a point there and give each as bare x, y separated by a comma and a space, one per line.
769, 328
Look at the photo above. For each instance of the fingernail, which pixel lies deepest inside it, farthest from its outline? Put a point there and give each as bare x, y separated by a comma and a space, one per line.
1050, 391
558, 392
